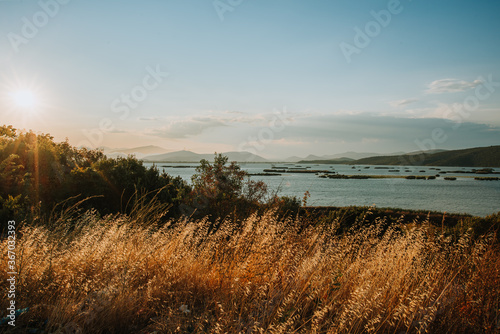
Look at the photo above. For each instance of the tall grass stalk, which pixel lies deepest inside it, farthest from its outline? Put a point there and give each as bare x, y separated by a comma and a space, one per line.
121, 274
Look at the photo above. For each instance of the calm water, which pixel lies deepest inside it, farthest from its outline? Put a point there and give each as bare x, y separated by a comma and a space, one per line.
465, 195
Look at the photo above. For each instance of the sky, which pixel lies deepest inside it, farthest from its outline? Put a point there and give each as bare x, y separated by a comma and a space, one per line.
276, 78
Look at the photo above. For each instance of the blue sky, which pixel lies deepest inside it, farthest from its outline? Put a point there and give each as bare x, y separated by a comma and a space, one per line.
276, 78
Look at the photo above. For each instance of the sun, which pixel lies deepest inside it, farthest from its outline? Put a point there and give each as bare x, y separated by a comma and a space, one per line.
24, 99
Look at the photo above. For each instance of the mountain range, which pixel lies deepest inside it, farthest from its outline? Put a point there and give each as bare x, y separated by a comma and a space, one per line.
188, 156
140, 152
159, 154
471, 157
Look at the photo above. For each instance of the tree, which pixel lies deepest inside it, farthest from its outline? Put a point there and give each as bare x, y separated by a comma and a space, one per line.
36, 174
220, 190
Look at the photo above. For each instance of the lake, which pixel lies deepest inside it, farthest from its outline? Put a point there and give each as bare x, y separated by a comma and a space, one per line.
464, 195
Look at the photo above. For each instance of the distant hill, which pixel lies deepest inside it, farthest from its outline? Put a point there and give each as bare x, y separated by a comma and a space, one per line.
416, 152
291, 159
471, 157
188, 156
355, 155
342, 160
177, 156
313, 157
242, 157
342, 156
139, 152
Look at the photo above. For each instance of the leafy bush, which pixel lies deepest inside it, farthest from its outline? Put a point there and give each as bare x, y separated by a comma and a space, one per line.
37, 173
286, 206
220, 190
121, 181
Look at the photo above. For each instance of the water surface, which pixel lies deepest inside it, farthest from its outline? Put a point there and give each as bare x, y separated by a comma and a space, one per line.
465, 195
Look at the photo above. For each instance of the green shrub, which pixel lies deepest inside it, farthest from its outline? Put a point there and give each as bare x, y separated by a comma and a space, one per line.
221, 190
37, 173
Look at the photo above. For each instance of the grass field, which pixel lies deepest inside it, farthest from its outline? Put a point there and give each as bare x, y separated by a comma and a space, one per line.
124, 275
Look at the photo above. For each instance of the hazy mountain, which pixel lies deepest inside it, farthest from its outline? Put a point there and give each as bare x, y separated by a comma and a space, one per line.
471, 157
243, 157
291, 159
188, 156
342, 160
420, 152
139, 152
178, 156
352, 155
346, 156
313, 157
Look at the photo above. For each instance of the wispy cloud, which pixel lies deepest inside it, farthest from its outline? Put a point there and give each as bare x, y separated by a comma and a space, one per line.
190, 126
404, 102
331, 132
187, 127
391, 130
451, 86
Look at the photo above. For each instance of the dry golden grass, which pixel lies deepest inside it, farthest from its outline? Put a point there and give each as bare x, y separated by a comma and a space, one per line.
116, 275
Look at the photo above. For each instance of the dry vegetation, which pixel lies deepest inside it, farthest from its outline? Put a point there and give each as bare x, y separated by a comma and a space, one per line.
120, 275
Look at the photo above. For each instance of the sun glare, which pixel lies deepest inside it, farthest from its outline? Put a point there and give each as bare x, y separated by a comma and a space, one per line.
24, 99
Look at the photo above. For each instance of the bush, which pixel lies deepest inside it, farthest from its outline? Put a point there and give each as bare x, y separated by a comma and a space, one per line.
36, 174
220, 190
286, 206
121, 181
